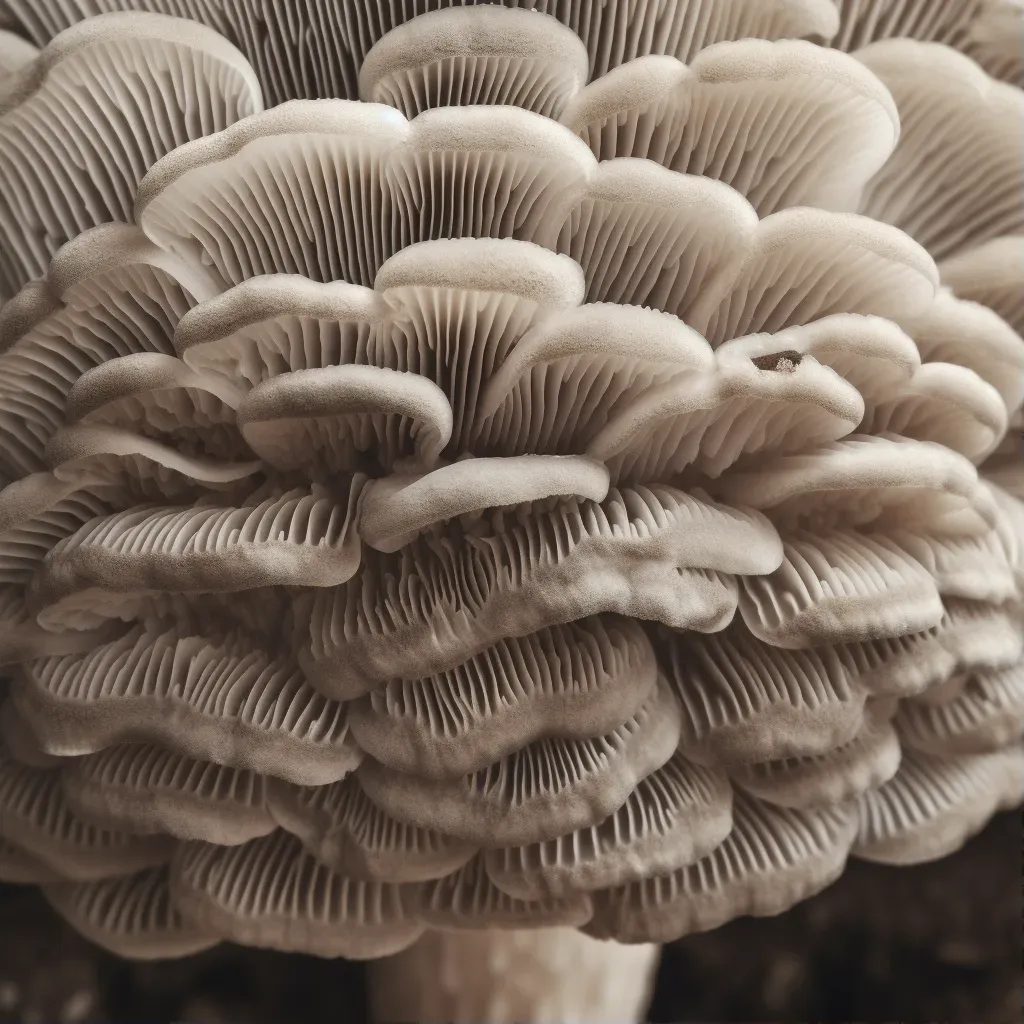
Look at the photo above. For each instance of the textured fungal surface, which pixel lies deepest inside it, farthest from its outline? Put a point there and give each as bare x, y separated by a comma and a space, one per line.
506, 465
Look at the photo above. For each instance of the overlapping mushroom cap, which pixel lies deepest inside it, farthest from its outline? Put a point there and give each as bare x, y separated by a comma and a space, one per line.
542, 491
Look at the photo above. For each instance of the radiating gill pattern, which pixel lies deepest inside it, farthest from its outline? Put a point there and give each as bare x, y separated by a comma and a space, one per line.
502, 466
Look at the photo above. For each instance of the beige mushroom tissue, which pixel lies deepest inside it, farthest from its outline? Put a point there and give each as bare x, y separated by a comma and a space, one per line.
492, 467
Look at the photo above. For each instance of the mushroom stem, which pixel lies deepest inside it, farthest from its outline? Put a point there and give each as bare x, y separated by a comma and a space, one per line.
543, 976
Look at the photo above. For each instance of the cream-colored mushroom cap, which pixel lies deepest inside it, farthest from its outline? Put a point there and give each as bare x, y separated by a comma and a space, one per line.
552, 475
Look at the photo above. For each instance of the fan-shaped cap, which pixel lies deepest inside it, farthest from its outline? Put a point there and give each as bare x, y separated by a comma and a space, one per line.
114, 255
37, 513
490, 55
863, 480
987, 713
961, 131
108, 294
269, 892
461, 306
342, 828
573, 681
840, 587
649, 553
900, 666
340, 417
36, 324
784, 123
676, 815
944, 403
744, 700
97, 141
138, 465
991, 32
538, 164
143, 789
649, 236
973, 568
954, 330
157, 395
277, 323
933, 804
539, 792
27, 500
747, 405
868, 352
213, 699
133, 916
318, 51
21, 637
398, 508
489, 265
806, 264
302, 537
773, 857
864, 762
981, 636
194, 201
567, 376
35, 816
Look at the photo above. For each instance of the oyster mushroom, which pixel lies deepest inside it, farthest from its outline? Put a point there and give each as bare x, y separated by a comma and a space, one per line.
92, 112
528, 493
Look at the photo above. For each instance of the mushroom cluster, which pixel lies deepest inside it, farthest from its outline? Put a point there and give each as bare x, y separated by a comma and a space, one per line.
472, 467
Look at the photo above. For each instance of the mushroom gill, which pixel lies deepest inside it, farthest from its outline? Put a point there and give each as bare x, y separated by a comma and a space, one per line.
551, 476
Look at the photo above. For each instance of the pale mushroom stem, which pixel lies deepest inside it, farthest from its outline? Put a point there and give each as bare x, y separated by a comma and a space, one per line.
541, 976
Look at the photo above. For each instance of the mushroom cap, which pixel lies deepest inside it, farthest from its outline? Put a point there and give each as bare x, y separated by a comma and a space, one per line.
676, 815
867, 761
985, 30
97, 142
965, 140
134, 915
452, 57
35, 816
571, 682
534, 474
258, 894
658, 108
657, 554
225, 702
934, 804
335, 42
145, 789
544, 789
773, 858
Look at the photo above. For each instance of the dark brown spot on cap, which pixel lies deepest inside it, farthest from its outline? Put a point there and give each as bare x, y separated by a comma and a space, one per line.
778, 362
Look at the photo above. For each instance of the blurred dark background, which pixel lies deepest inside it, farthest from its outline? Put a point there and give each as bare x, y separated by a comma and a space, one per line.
936, 943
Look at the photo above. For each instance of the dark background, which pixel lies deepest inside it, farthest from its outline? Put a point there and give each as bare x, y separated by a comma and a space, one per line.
940, 942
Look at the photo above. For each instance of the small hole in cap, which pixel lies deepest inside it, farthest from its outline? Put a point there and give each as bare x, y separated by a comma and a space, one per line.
778, 362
